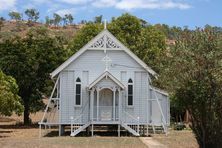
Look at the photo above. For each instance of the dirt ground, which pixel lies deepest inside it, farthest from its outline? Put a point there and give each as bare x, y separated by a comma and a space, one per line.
14, 134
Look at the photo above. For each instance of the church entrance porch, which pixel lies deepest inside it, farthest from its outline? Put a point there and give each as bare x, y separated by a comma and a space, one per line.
106, 106
105, 99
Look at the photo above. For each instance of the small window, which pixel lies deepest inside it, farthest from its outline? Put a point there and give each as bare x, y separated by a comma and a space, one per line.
78, 92
130, 92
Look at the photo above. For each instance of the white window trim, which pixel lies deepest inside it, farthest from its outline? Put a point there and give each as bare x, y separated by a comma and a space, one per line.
129, 106
80, 92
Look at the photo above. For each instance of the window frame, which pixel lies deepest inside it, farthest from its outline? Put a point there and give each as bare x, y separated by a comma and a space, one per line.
130, 84
78, 83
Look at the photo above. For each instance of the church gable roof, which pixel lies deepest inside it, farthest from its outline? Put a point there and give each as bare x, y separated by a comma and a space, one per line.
106, 74
103, 41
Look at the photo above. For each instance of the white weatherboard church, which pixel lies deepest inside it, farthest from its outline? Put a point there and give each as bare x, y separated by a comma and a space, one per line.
104, 83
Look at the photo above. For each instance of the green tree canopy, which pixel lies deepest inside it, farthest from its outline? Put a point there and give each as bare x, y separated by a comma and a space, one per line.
33, 14
15, 15
83, 36
127, 29
30, 60
70, 18
193, 74
98, 19
57, 19
2, 19
9, 100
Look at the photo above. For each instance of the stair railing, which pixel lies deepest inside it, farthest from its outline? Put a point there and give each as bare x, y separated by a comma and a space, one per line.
73, 124
137, 120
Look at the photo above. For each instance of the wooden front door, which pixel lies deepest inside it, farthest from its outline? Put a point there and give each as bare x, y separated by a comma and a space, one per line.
105, 104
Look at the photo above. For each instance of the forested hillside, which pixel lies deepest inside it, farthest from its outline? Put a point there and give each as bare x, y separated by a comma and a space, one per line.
10, 28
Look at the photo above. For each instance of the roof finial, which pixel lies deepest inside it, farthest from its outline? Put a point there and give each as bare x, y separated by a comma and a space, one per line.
105, 24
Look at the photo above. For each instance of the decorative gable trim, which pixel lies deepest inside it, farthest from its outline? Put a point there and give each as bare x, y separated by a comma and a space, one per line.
98, 43
106, 74
105, 42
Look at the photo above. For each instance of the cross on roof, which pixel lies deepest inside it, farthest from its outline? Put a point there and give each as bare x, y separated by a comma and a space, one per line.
106, 59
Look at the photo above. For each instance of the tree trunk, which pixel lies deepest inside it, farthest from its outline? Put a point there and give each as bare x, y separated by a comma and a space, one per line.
26, 114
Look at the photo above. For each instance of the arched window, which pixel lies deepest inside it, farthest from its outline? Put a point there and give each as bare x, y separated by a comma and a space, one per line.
130, 92
78, 92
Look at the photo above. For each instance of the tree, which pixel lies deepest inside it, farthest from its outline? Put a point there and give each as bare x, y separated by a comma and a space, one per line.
9, 100
123, 27
65, 21
83, 22
2, 19
15, 15
143, 23
30, 60
47, 20
57, 19
98, 19
83, 36
32, 14
70, 18
192, 74
152, 45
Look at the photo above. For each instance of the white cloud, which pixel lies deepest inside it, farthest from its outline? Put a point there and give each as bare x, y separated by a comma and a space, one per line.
39, 1
53, 7
150, 4
104, 3
62, 12
75, 2
141, 4
7, 5
61, 5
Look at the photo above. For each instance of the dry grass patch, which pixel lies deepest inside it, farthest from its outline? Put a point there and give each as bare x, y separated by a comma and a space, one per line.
20, 136
177, 139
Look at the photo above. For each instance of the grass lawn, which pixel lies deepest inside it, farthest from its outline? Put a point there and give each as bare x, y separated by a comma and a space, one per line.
18, 136
83, 142
177, 139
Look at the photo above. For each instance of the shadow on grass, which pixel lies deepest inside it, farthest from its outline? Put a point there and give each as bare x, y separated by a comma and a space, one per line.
5, 132
3, 136
88, 134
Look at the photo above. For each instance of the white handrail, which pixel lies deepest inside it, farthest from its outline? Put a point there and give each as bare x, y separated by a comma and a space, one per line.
131, 116
136, 119
73, 120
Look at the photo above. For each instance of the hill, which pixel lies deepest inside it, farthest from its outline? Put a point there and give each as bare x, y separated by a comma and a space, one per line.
12, 28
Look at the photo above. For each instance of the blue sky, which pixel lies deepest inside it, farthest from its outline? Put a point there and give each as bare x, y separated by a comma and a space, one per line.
181, 13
